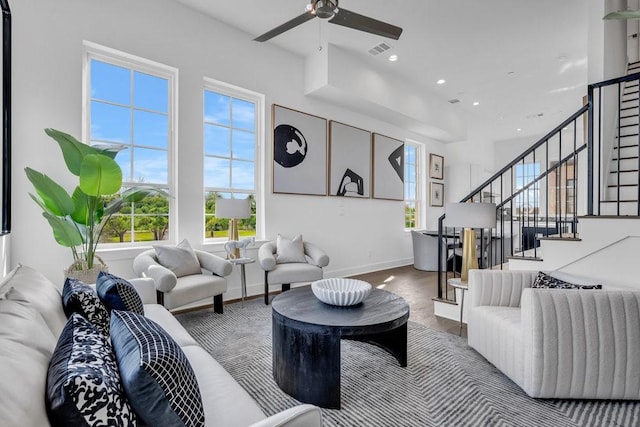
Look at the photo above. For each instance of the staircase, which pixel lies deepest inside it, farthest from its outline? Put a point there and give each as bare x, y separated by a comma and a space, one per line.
622, 183
589, 178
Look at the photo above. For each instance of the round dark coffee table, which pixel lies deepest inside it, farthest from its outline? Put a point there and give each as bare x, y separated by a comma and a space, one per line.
307, 333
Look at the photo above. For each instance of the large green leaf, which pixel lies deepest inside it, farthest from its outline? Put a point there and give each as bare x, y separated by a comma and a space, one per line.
100, 175
65, 233
623, 14
73, 150
83, 204
56, 199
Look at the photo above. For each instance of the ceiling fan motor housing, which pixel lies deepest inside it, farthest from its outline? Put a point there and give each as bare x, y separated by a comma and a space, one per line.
324, 9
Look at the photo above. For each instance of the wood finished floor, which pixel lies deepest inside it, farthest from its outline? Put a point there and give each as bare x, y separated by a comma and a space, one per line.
418, 288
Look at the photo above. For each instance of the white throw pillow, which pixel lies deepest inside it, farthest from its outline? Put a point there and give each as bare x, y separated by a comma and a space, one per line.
290, 250
181, 259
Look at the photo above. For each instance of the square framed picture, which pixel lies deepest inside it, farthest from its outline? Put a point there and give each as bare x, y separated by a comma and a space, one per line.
299, 152
349, 161
388, 168
436, 194
436, 166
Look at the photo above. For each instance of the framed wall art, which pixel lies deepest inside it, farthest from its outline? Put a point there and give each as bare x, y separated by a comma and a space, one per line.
299, 152
388, 168
436, 194
436, 166
349, 161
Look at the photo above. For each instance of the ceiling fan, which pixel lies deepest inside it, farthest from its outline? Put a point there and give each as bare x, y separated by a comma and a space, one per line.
328, 9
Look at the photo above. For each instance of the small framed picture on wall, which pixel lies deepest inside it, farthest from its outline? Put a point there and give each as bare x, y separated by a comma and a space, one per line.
436, 194
436, 166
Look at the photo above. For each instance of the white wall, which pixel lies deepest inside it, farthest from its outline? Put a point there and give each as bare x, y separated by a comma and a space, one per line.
359, 235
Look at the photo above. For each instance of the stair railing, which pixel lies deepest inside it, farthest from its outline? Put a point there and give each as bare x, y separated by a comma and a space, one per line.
613, 128
533, 200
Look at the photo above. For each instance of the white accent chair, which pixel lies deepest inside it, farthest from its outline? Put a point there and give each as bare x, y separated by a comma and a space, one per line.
556, 343
425, 251
292, 272
174, 292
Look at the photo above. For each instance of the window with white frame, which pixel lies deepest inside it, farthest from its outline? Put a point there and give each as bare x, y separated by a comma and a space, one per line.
130, 104
528, 201
412, 189
232, 133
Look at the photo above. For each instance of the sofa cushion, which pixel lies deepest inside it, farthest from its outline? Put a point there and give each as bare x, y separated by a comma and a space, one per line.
156, 375
35, 289
544, 280
181, 259
83, 299
83, 384
26, 345
118, 294
290, 250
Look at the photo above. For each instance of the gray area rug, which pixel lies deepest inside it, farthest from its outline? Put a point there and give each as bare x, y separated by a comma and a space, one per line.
446, 382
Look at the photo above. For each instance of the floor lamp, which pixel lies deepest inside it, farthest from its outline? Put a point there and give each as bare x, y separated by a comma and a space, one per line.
470, 216
233, 209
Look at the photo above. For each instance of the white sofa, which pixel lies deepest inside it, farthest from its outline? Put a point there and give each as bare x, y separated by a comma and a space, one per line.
31, 320
556, 343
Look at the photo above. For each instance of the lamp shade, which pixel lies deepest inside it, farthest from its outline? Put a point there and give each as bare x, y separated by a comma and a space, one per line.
471, 215
233, 208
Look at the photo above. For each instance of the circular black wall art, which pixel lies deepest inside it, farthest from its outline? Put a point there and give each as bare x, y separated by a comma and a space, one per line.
290, 147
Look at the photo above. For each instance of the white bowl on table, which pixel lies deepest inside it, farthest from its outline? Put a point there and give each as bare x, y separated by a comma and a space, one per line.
339, 291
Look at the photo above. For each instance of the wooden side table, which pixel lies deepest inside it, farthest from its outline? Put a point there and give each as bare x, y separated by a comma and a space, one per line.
457, 283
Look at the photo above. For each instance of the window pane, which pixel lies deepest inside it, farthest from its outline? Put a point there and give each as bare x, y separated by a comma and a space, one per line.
150, 92
242, 175
217, 108
116, 229
244, 116
216, 173
110, 122
150, 166
110, 82
243, 145
150, 129
123, 158
217, 141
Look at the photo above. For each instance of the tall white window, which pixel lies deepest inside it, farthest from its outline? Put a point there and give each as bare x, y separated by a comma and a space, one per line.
130, 103
232, 132
528, 201
412, 188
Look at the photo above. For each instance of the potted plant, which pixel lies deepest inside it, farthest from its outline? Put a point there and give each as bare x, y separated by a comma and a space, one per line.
77, 220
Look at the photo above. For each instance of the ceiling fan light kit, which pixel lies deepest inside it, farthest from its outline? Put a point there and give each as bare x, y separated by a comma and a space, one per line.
328, 9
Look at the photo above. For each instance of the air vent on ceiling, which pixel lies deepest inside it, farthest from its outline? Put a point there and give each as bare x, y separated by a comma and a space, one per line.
454, 101
378, 49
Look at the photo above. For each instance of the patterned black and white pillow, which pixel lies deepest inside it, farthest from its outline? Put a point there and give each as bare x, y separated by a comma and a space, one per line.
82, 299
156, 375
83, 382
544, 280
118, 294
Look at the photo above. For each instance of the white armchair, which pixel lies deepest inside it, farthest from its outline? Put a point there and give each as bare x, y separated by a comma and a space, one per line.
556, 343
308, 269
176, 289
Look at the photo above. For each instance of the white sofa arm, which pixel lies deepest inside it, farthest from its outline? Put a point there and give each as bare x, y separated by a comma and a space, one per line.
266, 256
146, 288
581, 344
498, 287
317, 255
213, 263
146, 265
298, 416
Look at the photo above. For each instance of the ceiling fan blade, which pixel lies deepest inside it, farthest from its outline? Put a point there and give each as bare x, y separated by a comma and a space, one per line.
623, 14
301, 19
346, 18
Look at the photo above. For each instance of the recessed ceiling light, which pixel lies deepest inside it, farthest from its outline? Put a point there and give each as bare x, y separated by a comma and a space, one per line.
476, 103
518, 130
441, 81
393, 58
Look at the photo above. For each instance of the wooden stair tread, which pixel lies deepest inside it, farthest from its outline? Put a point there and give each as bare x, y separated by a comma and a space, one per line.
526, 258
625, 171
561, 239
618, 201
621, 185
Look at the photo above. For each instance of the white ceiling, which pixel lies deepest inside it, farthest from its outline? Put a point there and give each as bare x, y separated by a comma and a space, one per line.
517, 58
